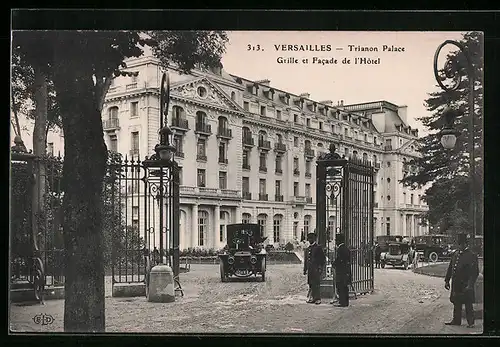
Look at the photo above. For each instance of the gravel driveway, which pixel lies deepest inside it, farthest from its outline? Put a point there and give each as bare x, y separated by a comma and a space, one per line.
403, 303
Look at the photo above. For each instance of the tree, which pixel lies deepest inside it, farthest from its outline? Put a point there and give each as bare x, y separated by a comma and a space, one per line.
81, 65
447, 170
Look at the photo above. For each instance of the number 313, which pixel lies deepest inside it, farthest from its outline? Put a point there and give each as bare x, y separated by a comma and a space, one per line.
253, 48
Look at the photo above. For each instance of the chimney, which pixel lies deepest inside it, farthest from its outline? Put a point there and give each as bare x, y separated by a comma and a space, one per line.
264, 82
327, 102
305, 95
341, 102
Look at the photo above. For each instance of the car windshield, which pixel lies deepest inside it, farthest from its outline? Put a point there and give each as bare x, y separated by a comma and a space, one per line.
394, 249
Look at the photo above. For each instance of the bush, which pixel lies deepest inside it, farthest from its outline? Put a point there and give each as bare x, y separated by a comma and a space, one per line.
289, 247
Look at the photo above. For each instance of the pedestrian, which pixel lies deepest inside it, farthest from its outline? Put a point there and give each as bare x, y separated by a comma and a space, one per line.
314, 261
343, 276
378, 252
463, 272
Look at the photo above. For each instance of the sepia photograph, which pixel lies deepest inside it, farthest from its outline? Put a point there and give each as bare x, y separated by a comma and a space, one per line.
246, 182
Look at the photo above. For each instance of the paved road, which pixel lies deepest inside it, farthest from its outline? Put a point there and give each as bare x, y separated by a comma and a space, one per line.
403, 303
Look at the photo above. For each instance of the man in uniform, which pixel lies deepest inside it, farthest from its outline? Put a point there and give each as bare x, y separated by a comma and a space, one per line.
463, 272
342, 264
314, 262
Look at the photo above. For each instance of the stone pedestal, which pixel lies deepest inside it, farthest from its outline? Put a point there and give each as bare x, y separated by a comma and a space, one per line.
161, 284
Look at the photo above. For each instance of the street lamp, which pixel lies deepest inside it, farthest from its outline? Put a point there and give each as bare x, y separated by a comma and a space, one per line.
448, 133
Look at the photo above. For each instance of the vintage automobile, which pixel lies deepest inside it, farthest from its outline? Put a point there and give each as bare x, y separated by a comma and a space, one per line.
435, 247
399, 254
384, 240
244, 255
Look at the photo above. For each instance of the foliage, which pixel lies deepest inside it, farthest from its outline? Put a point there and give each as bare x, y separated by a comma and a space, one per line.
198, 252
289, 247
447, 170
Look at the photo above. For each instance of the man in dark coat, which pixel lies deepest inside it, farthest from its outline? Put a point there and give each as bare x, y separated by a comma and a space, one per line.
314, 262
342, 264
377, 252
463, 271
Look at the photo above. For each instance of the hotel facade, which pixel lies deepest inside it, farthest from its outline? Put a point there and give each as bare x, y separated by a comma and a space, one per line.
247, 151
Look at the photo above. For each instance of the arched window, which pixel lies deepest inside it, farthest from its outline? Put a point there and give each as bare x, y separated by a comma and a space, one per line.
202, 228
307, 224
355, 154
177, 113
113, 112
320, 145
374, 159
280, 138
222, 122
262, 221
262, 136
245, 218
247, 133
224, 220
201, 119
307, 144
233, 96
278, 218
365, 157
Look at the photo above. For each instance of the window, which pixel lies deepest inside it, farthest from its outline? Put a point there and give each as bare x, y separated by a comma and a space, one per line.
202, 92
246, 106
411, 199
375, 159
295, 118
135, 142
366, 138
262, 160
202, 227
388, 164
388, 180
332, 223
375, 140
307, 224
308, 122
295, 188
262, 186
50, 148
178, 144
201, 120
134, 109
133, 78
178, 114
245, 184
135, 217
388, 226
388, 198
276, 227
307, 144
278, 114
277, 188
262, 137
223, 218
346, 132
295, 163
201, 148
296, 230
278, 163
365, 157
308, 167
308, 190
296, 141
262, 221
222, 153
263, 110
346, 152
223, 123
245, 218
201, 178
246, 159
320, 125
113, 143
233, 96
355, 154
222, 180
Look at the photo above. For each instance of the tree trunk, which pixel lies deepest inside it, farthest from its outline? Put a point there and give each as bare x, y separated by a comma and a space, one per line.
83, 173
17, 126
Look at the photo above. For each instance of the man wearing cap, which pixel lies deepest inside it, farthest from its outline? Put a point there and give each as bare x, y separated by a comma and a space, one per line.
342, 264
313, 267
463, 272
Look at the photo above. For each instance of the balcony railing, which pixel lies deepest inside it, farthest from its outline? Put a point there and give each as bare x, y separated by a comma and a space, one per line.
263, 197
296, 172
201, 157
181, 124
223, 161
131, 86
280, 147
308, 175
248, 141
309, 200
298, 199
213, 192
278, 171
246, 166
224, 133
262, 169
110, 124
205, 129
309, 152
278, 198
265, 144
247, 196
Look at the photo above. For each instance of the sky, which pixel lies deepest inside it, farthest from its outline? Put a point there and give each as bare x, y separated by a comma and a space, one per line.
400, 77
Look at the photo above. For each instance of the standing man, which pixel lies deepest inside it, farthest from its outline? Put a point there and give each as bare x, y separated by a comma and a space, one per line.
314, 261
463, 271
342, 266
377, 252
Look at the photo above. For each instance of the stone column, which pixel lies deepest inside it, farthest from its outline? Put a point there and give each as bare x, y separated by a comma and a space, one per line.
405, 232
194, 226
216, 235
254, 215
238, 215
410, 220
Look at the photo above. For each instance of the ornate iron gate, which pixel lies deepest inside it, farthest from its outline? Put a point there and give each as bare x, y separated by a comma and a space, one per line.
345, 204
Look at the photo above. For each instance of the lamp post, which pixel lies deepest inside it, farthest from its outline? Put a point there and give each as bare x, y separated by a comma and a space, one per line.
448, 134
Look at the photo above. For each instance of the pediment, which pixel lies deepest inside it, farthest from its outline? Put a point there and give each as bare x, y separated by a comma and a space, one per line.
205, 91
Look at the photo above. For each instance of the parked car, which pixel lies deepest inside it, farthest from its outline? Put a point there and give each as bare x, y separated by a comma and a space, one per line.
384, 240
244, 255
399, 254
435, 247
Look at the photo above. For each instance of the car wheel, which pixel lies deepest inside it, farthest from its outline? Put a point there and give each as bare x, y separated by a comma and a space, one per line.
433, 257
382, 265
405, 265
222, 273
